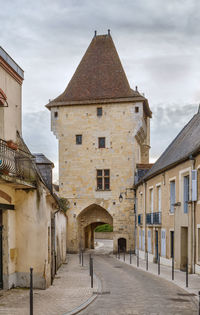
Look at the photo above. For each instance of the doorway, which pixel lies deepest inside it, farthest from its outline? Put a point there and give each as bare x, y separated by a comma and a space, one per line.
156, 241
184, 247
172, 243
121, 244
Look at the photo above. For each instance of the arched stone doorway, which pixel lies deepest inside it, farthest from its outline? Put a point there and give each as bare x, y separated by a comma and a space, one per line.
88, 220
121, 244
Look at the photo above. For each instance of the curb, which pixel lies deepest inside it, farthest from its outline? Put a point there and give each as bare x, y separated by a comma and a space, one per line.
81, 307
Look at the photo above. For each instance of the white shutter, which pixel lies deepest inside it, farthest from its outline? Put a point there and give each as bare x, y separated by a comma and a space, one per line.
172, 196
163, 243
159, 199
194, 185
186, 192
143, 239
149, 241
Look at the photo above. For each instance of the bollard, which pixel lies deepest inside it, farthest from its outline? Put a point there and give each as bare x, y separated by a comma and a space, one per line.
130, 258
90, 257
55, 264
119, 254
31, 291
147, 261
79, 257
91, 272
158, 264
138, 262
172, 268
199, 302
124, 254
186, 274
116, 253
82, 257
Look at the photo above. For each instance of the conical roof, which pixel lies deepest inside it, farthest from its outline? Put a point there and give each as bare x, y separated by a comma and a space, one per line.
99, 76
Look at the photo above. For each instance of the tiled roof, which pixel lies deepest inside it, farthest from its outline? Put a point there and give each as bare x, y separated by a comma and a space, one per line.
40, 158
185, 144
99, 76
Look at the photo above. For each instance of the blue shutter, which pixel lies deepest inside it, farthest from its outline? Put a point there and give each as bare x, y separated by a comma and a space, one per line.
186, 193
149, 241
163, 243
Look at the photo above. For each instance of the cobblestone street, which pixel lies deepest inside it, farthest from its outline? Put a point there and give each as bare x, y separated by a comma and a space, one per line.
127, 290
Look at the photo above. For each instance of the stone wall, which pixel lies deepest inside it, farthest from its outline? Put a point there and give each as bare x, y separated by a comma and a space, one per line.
103, 235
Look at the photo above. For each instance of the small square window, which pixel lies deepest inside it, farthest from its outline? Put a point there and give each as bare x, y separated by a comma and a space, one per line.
99, 111
55, 114
136, 109
102, 142
78, 139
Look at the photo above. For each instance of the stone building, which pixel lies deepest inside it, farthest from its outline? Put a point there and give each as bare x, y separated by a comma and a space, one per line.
168, 202
102, 126
32, 225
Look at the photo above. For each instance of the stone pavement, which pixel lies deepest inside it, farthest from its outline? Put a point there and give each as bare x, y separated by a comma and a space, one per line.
71, 288
166, 273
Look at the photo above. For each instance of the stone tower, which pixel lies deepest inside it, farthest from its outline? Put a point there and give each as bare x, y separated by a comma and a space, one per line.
102, 126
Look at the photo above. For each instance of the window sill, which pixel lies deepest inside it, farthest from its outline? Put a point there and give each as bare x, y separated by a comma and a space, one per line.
102, 190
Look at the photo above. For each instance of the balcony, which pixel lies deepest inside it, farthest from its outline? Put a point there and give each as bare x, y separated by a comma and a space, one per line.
140, 219
153, 218
16, 165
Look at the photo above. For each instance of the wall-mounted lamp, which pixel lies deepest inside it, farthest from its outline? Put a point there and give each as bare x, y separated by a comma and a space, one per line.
120, 197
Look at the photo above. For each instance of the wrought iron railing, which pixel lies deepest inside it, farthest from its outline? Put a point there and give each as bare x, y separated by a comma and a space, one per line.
154, 218
16, 163
140, 219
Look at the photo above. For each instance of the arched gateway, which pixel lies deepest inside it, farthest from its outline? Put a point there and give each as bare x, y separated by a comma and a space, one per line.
88, 220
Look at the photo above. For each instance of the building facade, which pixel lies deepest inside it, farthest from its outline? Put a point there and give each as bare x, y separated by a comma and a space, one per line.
102, 126
28, 208
168, 203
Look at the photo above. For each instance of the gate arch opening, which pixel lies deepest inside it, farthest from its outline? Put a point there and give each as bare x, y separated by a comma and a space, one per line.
88, 220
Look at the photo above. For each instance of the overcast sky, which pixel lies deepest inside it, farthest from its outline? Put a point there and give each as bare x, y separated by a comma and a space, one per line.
158, 43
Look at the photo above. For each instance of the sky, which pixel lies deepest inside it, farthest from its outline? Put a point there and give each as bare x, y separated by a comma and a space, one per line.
158, 43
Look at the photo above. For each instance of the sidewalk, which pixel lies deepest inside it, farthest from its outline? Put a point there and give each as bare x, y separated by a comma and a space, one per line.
166, 273
70, 289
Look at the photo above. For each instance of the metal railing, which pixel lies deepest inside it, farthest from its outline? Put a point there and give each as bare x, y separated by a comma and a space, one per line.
153, 218
140, 219
16, 163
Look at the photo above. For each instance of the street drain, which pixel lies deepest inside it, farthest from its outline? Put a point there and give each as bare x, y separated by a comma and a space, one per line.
186, 294
102, 293
179, 300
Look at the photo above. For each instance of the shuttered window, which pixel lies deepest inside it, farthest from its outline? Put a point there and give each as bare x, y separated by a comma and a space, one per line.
143, 239
149, 241
172, 195
139, 239
185, 193
163, 243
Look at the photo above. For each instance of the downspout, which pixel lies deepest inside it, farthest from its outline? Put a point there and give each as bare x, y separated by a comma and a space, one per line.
135, 210
193, 218
144, 219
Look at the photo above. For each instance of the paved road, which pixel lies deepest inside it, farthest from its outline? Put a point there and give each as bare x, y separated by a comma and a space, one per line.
127, 291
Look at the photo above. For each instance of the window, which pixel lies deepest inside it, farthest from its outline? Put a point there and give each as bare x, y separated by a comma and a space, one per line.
163, 243
102, 142
103, 179
99, 111
78, 139
136, 109
149, 241
185, 193
172, 195
151, 200
159, 198
55, 114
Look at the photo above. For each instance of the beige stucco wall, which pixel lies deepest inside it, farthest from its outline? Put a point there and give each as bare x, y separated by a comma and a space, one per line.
78, 163
172, 221
10, 117
61, 236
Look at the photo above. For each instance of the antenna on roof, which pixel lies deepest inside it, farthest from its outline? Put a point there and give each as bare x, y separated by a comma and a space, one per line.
108, 32
95, 33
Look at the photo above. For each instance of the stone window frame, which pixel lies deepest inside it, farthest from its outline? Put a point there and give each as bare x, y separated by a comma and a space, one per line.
99, 111
102, 179
101, 142
182, 173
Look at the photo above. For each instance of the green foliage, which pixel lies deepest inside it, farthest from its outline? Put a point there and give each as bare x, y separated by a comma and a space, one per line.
63, 204
104, 228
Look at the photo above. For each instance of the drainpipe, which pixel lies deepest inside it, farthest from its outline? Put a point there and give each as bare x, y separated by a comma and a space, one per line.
145, 195
135, 210
193, 223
